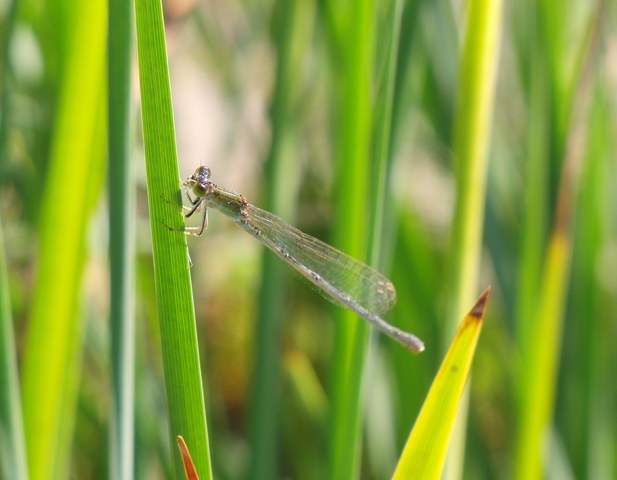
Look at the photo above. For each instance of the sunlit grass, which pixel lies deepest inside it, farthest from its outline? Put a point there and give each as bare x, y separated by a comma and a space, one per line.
180, 354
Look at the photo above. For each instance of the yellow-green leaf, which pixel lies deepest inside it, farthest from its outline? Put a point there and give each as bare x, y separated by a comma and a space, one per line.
425, 451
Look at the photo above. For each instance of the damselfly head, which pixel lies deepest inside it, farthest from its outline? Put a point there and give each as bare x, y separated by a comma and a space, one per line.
201, 175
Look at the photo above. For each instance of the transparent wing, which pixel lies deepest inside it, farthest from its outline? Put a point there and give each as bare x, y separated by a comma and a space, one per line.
338, 277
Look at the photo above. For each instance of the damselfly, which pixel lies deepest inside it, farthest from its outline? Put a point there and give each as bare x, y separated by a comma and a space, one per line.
338, 277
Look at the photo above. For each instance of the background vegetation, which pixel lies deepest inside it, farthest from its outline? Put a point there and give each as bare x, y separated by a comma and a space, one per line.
371, 125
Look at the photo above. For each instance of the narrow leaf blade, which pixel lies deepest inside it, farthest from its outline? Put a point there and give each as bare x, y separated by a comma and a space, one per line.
425, 451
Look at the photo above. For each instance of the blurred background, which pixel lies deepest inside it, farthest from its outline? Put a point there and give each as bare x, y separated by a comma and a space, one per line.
551, 169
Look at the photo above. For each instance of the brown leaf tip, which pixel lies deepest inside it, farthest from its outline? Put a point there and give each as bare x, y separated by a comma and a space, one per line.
478, 309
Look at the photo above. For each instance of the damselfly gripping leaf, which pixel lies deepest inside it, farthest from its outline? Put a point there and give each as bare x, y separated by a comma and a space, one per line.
340, 278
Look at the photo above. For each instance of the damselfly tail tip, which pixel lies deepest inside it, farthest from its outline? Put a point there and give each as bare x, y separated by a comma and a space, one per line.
407, 340
413, 344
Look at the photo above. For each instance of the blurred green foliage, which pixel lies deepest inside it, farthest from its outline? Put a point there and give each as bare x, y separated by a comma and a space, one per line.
551, 172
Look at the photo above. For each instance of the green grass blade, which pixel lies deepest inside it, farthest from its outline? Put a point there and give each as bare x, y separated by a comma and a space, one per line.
535, 216
589, 301
472, 132
184, 388
121, 242
543, 146
383, 135
539, 366
425, 452
354, 122
51, 359
291, 27
5, 102
541, 335
12, 445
